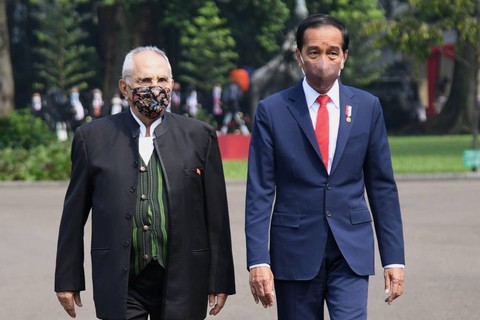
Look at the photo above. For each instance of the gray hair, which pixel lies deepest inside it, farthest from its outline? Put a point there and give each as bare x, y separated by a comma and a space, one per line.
128, 62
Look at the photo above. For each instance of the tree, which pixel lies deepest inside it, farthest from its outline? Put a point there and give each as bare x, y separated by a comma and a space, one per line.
64, 59
419, 28
207, 54
116, 26
6, 75
363, 65
258, 28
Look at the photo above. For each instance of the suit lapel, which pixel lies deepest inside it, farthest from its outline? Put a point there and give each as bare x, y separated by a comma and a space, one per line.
346, 100
299, 110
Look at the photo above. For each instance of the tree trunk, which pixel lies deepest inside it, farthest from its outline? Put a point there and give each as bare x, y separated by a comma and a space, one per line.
113, 46
281, 71
118, 36
457, 116
7, 89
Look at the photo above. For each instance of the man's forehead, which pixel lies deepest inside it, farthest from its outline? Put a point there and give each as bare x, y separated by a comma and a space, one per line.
153, 65
149, 57
326, 35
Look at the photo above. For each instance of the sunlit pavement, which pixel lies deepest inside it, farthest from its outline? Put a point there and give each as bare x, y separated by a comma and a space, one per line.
442, 230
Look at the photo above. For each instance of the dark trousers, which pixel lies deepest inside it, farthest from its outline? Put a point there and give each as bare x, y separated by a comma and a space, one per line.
344, 291
145, 293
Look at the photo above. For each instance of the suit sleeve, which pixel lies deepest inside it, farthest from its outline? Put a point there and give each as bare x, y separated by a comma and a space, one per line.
383, 194
260, 189
69, 271
222, 276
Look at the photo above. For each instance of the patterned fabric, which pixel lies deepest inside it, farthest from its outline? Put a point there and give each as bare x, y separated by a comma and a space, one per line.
151, 101
149, 240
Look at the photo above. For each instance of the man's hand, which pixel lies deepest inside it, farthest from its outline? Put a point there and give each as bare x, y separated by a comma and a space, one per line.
216, 301
68, 300
394, 283
261, 285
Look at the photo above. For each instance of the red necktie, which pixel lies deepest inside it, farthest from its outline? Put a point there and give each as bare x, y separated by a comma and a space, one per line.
322, 128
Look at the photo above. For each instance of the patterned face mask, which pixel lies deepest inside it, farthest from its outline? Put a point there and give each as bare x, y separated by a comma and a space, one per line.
151, 101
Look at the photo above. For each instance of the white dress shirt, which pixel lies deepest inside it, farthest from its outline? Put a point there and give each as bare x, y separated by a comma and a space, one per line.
333, 107
145, 144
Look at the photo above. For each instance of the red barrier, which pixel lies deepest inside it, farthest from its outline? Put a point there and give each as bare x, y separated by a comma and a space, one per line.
234, 146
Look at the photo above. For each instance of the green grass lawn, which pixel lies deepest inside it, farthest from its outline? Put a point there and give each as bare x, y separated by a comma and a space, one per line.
429, 154
410, 154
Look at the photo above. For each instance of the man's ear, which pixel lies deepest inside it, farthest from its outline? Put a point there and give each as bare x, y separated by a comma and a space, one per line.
122, 86
300, 61
298, 55
344, 59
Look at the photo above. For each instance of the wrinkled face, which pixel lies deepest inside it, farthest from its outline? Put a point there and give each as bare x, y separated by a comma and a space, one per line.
148, 89
321, 56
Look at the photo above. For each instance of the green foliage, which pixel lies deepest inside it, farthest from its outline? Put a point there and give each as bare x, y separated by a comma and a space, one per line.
22, 130
30, 151
359, 16
43, 162
255, 25
205, 116
207, 52
423, 23
258, 28
65, 59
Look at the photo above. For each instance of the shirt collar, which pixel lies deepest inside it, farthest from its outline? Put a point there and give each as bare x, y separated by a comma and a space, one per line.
143, 129
311, 94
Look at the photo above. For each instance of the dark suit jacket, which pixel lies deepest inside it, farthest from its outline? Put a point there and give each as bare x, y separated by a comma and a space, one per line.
105, 161
286, 170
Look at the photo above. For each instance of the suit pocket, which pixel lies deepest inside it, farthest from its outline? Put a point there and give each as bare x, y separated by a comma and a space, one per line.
200, 251
195, 172
360, 216
99, 249
286, 220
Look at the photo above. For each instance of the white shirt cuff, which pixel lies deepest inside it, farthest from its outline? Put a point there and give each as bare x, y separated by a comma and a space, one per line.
388, 266
259, 265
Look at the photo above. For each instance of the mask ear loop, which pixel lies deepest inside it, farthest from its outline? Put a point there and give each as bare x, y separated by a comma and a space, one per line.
343, 65
303, 62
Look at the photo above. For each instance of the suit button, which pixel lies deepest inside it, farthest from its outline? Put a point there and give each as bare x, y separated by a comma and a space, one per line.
328, 213
124, 270
128, 216
143, 169
329, 187
145, 257
143, 197
126, 243
146, 228
132, 189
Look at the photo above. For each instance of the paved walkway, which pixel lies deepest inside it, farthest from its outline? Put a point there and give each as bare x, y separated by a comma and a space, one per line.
442, 231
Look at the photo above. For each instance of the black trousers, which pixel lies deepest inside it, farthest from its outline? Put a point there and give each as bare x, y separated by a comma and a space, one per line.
145, 293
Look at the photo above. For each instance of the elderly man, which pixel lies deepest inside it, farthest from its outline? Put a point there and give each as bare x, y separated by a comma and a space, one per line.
154, 183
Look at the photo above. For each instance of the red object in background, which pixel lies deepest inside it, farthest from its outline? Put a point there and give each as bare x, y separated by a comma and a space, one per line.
234, 146
241, 77
433, 64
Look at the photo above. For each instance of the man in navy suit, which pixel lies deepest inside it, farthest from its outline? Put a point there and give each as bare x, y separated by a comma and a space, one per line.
315, 149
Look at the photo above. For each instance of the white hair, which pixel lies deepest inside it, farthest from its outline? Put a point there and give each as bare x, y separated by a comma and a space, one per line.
128, 62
